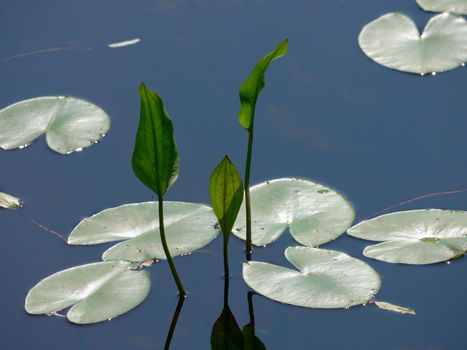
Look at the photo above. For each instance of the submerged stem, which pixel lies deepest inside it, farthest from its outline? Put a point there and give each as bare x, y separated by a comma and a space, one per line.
247, 193
166, 248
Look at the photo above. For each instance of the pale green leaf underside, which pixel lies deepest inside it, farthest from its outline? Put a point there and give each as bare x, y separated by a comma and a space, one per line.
415, 237
188, 226
327, 279
70, 124
395, 308
315, 214
453, 6
96, 292
393, 40
9, 202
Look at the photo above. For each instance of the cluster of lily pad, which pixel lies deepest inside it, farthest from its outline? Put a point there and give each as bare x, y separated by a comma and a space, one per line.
313, 213
394, 41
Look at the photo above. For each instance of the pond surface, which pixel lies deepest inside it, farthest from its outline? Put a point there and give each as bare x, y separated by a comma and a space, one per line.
328, 113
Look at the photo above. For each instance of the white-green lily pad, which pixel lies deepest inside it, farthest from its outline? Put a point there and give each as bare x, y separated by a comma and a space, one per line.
70, 124
454, 6
425, 236
326, 279
314, 213
9, 202
188, 226
393, 40
96, 292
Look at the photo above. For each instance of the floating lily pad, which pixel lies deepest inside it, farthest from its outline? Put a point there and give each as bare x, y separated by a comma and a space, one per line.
188, 226
9, 202
453, 6
394, 41
415, 237
70, 124
96, 292
314, 213
326, 279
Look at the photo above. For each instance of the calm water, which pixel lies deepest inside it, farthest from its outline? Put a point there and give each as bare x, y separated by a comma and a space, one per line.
328, 113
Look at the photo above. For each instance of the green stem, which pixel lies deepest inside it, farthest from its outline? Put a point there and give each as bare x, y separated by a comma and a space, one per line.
166, 248
247, 194
226, 259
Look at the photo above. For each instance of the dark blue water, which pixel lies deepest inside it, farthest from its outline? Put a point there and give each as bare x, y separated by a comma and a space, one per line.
328, 113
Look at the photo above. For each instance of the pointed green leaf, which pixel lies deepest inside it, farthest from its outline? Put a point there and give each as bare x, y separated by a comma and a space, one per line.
226, 334
70, 124
314, 213
418, 237
252, 86
226, 190
393, 40
9, 202
96, 292
155, 157
395, 308
188, 226
326, 279
452, 6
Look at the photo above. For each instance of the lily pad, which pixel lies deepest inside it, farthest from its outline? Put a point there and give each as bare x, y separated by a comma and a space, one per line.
188, 226
394, 41
70, 124
418, 237
314, 213
9, 202
453, 6
96, 292
326, 279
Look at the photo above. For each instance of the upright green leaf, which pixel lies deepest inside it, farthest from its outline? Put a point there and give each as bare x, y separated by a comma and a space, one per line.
252, 86
155, 157
226, 190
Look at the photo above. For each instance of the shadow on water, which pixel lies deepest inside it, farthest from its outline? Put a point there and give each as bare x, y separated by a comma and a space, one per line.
226, 333
173, 324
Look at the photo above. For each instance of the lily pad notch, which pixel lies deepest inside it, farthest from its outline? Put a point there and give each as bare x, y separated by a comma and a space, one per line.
70, 124
417, 237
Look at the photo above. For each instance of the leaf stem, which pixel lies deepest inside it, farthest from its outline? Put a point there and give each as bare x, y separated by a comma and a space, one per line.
247, 193
166, 248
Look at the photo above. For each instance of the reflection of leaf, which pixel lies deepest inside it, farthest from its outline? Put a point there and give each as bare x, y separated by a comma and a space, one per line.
394, 41
155, 157
188, 226
452, 6
314, 213
9, 202
254, 84
252, 342
96, 292
226, 334
395, 308
326, 279
226, 190
416, 236
70, 124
